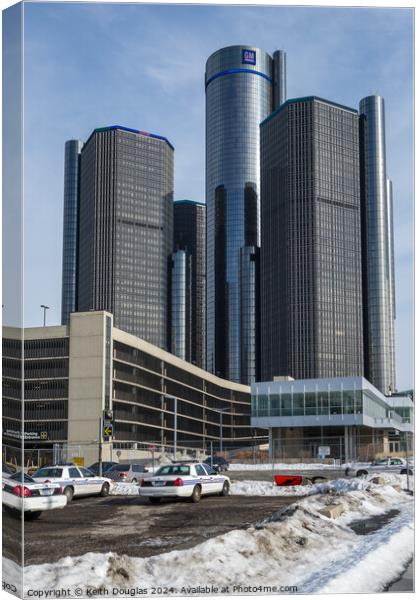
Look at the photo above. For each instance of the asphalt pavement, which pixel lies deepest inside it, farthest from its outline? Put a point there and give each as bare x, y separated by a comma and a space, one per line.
131, 525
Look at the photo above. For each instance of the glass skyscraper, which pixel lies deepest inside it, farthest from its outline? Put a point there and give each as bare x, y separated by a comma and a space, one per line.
181, 305
126, 230
72, 152
189, 281
311, 252
378, 248
243, 85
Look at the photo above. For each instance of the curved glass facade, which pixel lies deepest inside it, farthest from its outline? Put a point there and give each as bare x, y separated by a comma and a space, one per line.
377, 247
239, 95
73, 149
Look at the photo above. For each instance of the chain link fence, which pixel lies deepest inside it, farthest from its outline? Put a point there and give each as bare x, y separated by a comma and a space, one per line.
288, 449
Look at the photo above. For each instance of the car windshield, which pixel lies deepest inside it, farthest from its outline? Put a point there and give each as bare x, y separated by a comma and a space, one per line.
26, 478
120, 468
173, 470
86, 472
49, 472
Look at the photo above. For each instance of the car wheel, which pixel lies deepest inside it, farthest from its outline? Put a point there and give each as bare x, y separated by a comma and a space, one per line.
31, 516
134, 481
154, 500
69, 493
105, 490
347, 472
361, 474
196, 495
225, 489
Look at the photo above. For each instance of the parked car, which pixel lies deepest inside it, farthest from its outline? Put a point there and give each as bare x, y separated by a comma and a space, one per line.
7, 470
106, 465
75, 481
127, 472
217, 462
22, 492
393, 465
184, 480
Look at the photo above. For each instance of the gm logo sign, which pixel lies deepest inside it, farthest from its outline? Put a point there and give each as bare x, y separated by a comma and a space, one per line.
248, 57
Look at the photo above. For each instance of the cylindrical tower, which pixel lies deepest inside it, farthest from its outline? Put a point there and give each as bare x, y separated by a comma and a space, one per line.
376, 246
279, 77
179, 305
390, 221
239, 95
73, 149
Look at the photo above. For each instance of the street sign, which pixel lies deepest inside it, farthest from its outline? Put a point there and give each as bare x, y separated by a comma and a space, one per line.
108, 429
324, 451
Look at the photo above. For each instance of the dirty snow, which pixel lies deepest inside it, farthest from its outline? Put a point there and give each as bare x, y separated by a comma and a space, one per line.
281, 466
268, 488
294, 547
124, 489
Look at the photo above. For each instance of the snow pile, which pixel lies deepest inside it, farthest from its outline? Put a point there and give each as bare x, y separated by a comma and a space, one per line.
266, 488
297, 546
281, 466
124, 489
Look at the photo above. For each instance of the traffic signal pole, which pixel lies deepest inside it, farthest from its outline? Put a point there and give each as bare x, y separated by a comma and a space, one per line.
100, 446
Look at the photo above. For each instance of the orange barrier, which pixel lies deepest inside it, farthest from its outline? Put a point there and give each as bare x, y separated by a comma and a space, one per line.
288, 479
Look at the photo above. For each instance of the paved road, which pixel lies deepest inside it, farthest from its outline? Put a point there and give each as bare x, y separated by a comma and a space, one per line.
130, 525
405, 583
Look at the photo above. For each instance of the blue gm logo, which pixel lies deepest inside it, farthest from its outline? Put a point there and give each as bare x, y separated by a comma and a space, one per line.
248, 57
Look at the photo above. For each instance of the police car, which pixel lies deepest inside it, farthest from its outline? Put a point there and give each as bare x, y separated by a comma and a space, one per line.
184, 480
75, 481
22, 493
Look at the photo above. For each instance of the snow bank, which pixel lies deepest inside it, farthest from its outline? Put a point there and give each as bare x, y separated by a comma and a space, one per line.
281, 466
296, 546
267, 488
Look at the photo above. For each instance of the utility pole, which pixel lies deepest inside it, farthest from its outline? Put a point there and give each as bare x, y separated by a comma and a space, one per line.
43, 306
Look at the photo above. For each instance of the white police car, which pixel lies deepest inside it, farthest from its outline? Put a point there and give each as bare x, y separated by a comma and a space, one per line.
75, 481
21, 493
184, 480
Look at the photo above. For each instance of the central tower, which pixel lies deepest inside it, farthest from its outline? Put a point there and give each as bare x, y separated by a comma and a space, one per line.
244, 85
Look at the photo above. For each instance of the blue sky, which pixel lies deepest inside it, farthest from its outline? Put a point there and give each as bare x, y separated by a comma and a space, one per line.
90, 65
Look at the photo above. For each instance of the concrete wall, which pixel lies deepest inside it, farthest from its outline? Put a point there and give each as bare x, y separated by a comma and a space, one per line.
86, 376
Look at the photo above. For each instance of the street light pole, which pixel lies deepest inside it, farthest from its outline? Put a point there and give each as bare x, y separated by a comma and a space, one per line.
221, 411
175, 426
221, 434
45, 312
175, 422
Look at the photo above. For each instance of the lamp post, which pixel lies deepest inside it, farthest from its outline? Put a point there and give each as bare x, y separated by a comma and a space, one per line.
43, 306
175, 421
221, 411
